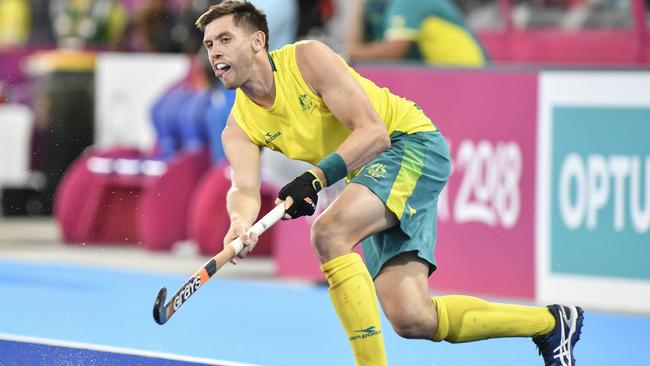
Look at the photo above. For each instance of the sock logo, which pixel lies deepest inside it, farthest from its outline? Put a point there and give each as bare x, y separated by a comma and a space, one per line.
365, 333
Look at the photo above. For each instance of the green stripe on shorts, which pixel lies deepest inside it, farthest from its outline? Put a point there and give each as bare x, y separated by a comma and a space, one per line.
408, 178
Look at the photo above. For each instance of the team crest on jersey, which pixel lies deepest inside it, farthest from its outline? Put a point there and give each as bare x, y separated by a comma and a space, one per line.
376, 171
306, 103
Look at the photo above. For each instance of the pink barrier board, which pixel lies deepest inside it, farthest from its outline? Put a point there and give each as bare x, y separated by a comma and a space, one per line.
485, 241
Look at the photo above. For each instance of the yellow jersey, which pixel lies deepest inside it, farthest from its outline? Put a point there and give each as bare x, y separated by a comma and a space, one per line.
301, 126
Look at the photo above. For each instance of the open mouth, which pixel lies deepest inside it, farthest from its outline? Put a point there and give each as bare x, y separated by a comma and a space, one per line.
222, 68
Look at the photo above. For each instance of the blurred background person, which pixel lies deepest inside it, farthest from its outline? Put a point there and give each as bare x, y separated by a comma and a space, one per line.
282, 17
41, 33
14, 23
87, 23
150, 28
430, 31
314, 16
184, 32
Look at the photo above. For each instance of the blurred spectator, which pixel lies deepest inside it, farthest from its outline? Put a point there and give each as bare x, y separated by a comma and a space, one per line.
168, 26
323, 20
572, 14
41, 33
282, 20
179, 33
314, 15
431, 31
87, 23
150, 28
184, 32
192, 112
14, 23
482, 14
3, 92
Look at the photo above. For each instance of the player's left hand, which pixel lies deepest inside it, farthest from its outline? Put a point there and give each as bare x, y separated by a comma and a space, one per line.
304, 193
239, 229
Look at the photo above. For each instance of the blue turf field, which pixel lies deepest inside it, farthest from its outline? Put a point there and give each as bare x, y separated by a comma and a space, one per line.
41, 352
239, 321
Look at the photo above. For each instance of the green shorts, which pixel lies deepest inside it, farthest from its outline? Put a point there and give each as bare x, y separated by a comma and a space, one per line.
408, 178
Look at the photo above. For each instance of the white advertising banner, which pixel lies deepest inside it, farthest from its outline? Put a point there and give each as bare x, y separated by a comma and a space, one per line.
126, 87
593, 195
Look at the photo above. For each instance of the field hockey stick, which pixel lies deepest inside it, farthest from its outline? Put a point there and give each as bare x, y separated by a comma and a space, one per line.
162, 312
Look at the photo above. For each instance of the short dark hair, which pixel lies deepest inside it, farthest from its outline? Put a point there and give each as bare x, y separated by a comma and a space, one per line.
244, 14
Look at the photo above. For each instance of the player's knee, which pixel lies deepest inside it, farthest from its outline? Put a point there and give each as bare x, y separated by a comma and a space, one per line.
411, 326
327, 238
409, 320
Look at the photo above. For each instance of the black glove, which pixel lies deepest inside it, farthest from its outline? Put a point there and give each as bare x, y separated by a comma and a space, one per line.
304, 192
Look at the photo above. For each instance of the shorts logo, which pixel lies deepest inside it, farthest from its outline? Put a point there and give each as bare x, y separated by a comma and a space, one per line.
365, 333
375, 171
270, 136
306, 103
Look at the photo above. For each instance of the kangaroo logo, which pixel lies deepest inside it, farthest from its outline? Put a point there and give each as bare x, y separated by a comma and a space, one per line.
376, 171
306, 103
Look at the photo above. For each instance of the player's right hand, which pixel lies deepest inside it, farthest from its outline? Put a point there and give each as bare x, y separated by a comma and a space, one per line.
239, 229
304, 193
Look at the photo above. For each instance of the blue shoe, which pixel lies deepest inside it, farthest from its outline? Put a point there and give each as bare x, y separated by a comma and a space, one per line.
557, 346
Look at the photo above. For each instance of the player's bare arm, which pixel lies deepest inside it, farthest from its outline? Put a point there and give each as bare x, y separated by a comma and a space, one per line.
327, 75
243, 200
358, 50
391, 49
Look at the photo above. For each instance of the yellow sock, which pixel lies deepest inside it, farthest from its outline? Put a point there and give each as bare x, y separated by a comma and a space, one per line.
354, 298
465, 319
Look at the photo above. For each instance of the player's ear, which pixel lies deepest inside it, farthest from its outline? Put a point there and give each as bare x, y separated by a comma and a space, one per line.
259, 40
